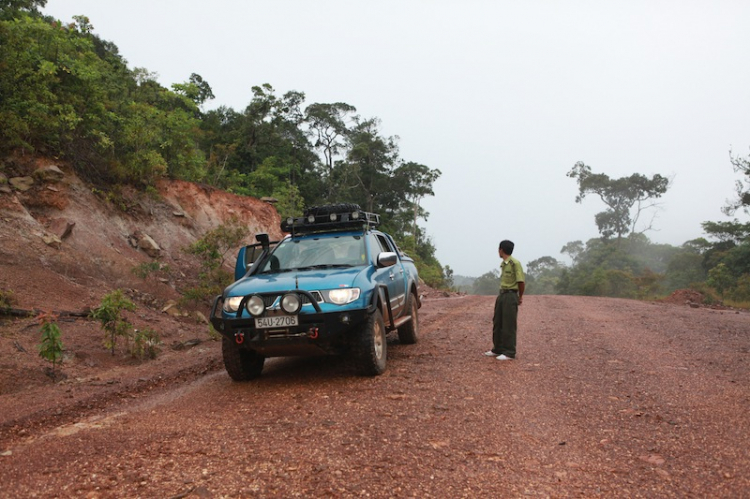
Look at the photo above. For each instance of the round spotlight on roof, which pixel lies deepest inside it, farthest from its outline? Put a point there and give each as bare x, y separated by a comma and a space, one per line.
355, 215
334, 217
311, 219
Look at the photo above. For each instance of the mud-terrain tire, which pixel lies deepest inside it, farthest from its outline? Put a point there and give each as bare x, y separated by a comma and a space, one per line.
241, 364
327, 209
370, 350
408, 334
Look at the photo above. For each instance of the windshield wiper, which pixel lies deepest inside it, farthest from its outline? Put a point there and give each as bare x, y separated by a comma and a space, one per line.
326, 266
276, 271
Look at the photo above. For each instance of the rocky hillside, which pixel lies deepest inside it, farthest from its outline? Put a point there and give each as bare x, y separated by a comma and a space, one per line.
64, 244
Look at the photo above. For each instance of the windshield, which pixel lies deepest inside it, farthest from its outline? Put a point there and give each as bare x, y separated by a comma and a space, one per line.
316, 252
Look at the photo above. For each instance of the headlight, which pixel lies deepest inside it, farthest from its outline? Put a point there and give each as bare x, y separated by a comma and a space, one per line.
255, 305
231, 304
342, 296
290, 303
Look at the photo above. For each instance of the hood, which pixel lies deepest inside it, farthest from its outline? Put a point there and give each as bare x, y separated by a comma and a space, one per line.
308, 280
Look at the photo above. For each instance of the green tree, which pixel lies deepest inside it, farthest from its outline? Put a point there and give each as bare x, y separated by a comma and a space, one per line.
411, 182
329, 126
626, 198
370, 160
543, 275
273, 179
685, 269
740, 165
51, 348
196, 89
110, 315
487, 284
721, 279
10, 9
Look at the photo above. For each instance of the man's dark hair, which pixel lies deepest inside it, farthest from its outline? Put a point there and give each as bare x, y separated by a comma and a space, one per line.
507, 246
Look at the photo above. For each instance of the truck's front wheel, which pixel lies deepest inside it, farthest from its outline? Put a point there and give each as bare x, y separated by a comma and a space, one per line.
371, 349
241, 364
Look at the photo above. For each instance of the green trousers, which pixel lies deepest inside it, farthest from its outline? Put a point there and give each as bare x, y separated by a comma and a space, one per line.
505, 324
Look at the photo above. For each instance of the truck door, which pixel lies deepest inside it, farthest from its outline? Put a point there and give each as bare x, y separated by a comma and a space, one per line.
392, 277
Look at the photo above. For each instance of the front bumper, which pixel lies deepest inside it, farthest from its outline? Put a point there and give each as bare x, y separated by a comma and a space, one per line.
319, 333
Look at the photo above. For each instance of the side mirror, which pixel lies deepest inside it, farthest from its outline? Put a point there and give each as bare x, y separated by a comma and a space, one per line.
387, 259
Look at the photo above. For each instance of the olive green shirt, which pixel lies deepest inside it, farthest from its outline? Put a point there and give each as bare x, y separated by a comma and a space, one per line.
511, 273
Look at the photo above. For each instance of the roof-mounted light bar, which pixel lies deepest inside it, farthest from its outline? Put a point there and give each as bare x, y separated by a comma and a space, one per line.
330, 221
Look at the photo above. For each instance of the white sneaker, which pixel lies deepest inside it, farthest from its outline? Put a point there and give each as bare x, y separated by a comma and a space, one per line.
490, 353
502, 356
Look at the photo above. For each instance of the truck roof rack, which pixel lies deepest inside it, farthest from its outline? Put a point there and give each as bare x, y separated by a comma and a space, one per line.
330, 218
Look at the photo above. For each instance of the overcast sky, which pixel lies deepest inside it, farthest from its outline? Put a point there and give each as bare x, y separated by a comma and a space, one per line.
503, 97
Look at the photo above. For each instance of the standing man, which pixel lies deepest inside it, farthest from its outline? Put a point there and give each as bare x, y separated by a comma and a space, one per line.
505, 322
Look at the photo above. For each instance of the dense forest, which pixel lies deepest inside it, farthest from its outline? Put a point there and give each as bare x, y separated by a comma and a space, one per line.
66, 93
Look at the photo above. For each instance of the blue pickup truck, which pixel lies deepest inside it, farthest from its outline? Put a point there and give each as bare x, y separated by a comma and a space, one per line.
334, 285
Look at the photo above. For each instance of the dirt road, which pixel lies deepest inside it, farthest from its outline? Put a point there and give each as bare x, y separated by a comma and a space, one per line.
608, 398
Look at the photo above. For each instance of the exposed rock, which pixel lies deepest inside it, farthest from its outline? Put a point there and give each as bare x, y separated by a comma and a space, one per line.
22, 184
269, 200
149, 246
200, 317
171, 309
62, 228
52, 241
49, 173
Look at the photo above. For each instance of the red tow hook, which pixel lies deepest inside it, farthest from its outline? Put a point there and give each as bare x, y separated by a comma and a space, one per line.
239, 338
313, 333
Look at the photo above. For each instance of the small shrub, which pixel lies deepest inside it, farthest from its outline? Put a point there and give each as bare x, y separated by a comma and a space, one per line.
109, 314
144, 270
7, 299
211, 249
146, 344
213, 334
51, 347
710, 295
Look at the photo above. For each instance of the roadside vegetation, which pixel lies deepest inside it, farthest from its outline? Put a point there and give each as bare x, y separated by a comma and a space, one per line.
66, 93
624, 263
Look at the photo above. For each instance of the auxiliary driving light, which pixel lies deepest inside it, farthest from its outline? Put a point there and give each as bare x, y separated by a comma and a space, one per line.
311, 219
255, 305
333, 217
290, 303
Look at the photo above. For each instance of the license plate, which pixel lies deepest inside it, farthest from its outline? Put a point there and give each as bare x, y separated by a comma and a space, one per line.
276, 321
